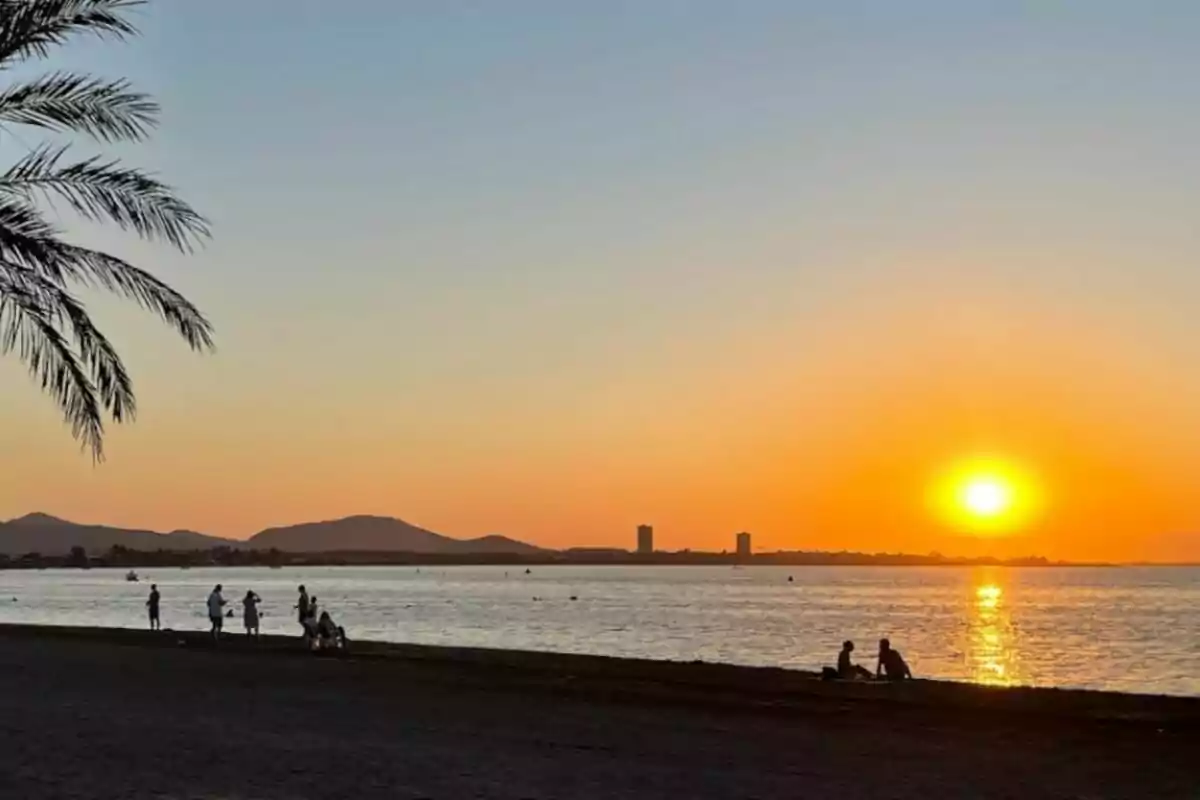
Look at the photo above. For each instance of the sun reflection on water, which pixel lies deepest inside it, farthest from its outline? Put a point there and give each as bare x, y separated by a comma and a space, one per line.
992, 653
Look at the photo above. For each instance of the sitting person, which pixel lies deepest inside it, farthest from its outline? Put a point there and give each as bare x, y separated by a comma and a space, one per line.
848, 670
329, 635
892, 665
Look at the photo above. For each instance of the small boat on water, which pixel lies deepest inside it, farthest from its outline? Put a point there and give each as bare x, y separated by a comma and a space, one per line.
131, 576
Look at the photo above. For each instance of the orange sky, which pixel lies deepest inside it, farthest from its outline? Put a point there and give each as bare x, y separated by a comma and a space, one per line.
832, 446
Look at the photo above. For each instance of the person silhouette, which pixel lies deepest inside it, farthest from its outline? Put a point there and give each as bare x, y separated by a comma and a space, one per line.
891, 664
302, 607
215, 603
152, 608
847, 670
250, 613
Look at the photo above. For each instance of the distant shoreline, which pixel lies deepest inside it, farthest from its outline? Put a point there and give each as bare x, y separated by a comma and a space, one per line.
246, 557
39, 540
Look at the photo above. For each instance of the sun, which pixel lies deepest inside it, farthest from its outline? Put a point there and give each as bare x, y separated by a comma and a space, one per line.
985, 496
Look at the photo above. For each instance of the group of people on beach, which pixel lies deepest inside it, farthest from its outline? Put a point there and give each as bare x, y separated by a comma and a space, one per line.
890, 665
319, 631
216, 612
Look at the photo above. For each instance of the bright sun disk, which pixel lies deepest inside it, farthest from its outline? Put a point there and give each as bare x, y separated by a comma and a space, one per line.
985, 497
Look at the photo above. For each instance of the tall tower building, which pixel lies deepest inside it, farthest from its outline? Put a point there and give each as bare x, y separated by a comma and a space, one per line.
645, 542
743, 544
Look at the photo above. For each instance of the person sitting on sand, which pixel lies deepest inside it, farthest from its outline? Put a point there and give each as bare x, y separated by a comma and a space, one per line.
152, 607
848, 670
892, 665
215, 603
330, 635
326, 630
250, 613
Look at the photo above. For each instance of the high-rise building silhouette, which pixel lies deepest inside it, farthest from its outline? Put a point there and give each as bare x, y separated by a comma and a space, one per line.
645, 542
743, 544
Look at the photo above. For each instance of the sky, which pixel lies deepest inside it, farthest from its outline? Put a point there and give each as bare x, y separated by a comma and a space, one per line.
555, 269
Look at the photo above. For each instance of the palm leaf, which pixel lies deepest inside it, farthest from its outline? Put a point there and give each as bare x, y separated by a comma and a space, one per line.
106, 191
27, 326
27, 239
106, 110
31, 28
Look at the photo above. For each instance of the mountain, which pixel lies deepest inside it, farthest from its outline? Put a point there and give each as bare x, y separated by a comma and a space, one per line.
51, 536
378, 534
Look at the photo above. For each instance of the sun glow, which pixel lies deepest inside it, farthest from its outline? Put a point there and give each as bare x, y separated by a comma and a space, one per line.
986, 496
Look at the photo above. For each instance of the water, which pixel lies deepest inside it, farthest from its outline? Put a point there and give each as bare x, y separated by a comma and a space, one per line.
1130, 629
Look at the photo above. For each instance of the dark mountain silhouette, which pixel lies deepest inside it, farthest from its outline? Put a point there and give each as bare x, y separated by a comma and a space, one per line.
42, 533
378, 534
51, 536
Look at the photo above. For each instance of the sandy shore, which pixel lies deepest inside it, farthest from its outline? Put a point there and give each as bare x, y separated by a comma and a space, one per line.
89, 713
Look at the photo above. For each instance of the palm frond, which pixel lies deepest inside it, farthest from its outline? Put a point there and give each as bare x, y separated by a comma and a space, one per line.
107, 191
105, 110
96, 352
120, 277
27, 239
31, 28
40, 319
27, 327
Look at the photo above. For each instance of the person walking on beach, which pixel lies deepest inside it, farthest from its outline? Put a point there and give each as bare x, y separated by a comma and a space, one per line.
215, 603
152, 607
891, 664
250, 613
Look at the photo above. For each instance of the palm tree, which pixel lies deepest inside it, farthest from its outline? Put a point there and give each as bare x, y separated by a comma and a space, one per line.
41, 321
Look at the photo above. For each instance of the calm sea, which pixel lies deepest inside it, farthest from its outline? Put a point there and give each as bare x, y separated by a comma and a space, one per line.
1128, 629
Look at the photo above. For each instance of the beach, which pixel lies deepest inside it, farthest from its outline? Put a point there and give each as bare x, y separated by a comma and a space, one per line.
106, 713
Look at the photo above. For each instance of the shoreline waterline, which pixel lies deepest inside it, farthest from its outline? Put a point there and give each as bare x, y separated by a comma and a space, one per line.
1128, 630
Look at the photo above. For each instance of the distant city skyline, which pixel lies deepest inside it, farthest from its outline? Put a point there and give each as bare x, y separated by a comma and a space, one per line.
550, 270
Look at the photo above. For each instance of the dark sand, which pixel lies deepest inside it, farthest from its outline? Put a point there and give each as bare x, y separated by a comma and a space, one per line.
98, 714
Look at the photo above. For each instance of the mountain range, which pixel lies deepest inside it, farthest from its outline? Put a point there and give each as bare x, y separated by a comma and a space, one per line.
42, 533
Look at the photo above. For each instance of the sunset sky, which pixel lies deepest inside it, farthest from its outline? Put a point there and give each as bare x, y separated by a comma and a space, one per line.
554, 269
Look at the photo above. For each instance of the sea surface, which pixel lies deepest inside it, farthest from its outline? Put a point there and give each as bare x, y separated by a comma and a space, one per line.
1129, 629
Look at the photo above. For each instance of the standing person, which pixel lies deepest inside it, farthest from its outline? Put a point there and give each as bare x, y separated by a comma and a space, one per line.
152, 606
302, 606
250, 613
215, 603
